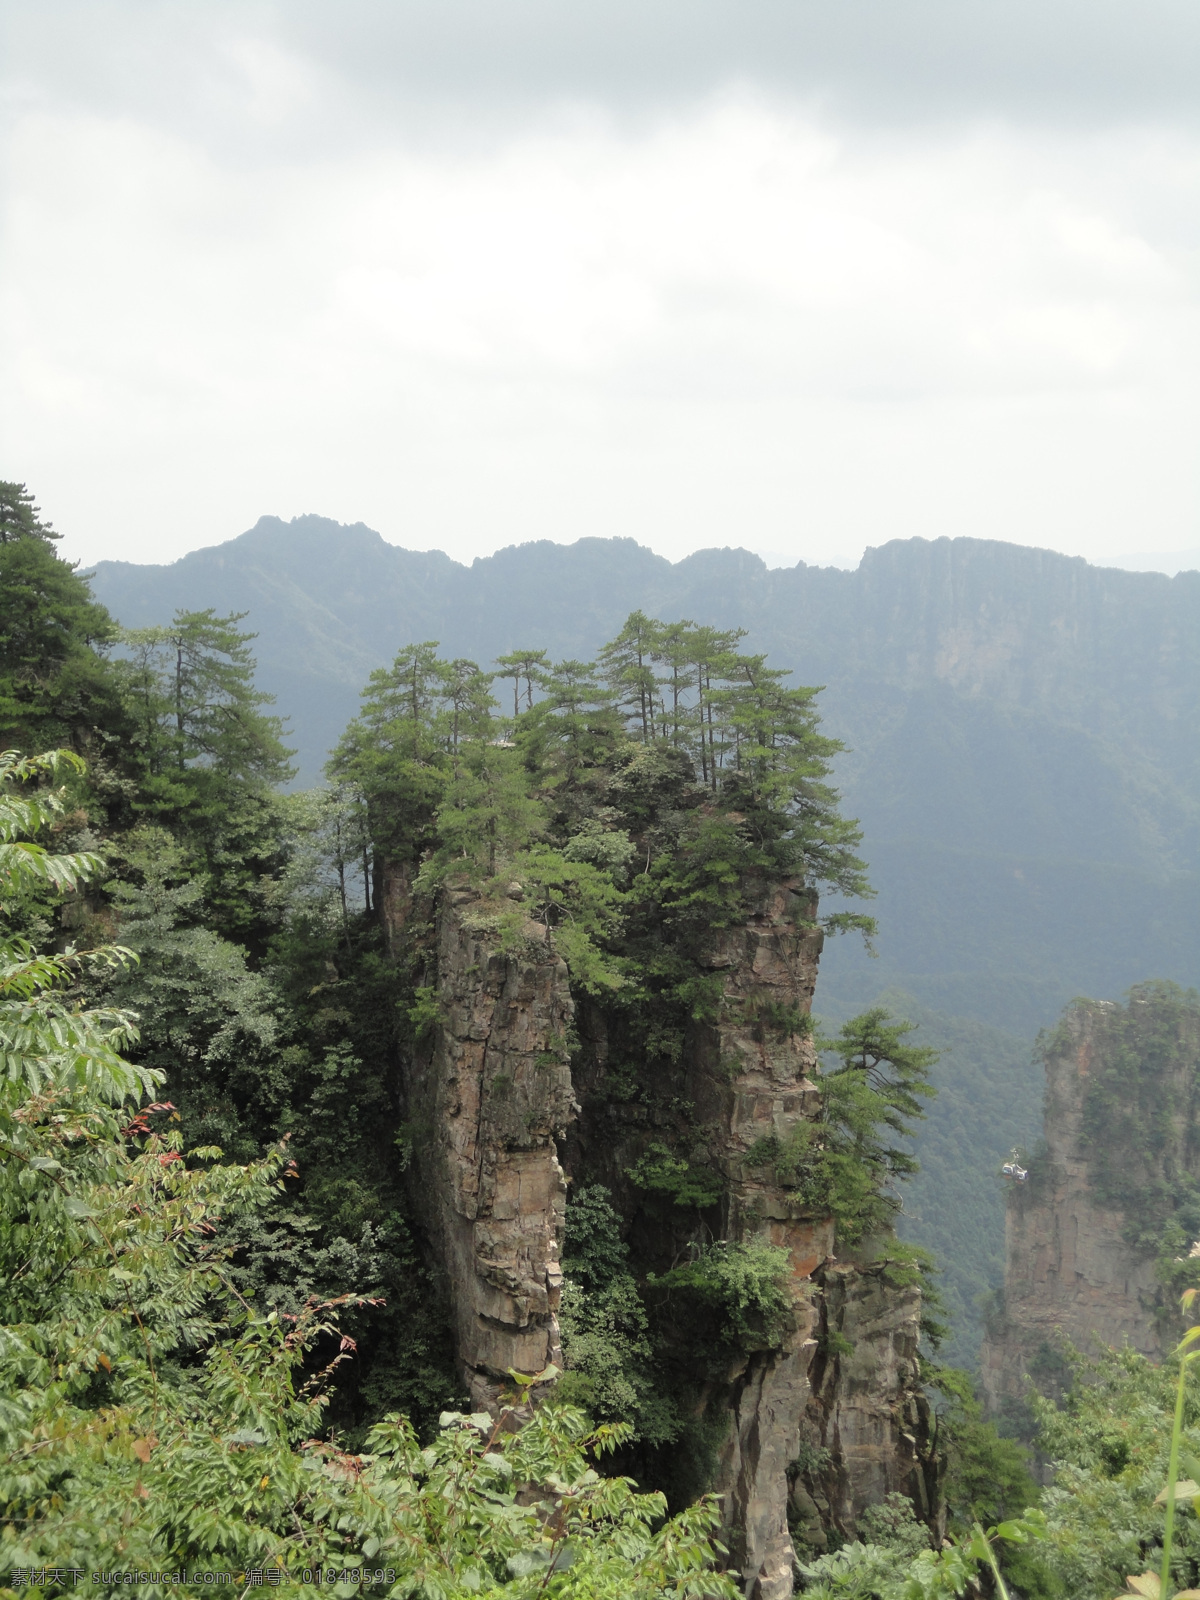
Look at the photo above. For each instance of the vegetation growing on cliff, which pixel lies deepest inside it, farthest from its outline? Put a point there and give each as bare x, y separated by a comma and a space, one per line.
847, 1161
632, 809
1140, 1114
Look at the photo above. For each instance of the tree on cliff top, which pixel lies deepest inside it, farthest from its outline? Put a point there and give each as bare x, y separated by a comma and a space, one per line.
753, 742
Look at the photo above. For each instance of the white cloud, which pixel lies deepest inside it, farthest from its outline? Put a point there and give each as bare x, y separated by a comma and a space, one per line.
737, 322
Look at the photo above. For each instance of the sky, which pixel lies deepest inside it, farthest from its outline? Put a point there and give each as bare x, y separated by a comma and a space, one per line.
797, 275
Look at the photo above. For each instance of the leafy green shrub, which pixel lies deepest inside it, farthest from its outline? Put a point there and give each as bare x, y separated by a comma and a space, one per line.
605, 1328
685, 1183
425, 1012
1110, 1443
594, 1253
892, 1525
746, 1287
891, 1571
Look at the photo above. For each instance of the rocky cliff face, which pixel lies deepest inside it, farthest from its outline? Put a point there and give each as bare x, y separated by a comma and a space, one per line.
815, 1426
843, 1392
486, 1102
1087, 1233
866, 1407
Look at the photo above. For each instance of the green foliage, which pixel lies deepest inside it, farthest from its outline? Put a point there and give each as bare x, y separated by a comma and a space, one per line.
399, 751
988, 1476
749, 737
20, 518
487, 816
209, 1022
892, 1525
191, 686
206, 756
659, 1171
701, 882
1139, 1105
876, 1090
890, 1571
843, 1162
594, 1253
789, 1159
605, 1327
1111, 1443
115, 1453
987, 1480
436, 776
903, 1265
425, 1013
300, 1046
528, 664
346, 1011
611, 850
151, 1419
56, 687
739, 1291
579, 909
47, 1041
574, 726
777, 1019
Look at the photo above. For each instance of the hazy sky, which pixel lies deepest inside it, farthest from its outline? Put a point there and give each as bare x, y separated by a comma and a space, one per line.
801, 275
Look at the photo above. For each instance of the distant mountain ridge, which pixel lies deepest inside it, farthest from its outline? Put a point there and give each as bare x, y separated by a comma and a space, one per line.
1024, 727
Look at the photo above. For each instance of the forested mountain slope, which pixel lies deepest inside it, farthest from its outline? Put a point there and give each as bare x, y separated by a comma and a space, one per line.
1024, 727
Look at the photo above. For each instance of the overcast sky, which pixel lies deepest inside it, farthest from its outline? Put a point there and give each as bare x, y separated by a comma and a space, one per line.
799, 275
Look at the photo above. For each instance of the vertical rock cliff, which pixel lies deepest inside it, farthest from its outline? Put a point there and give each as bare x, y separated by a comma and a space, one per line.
844, 1389
750, 1081
818, 1422
1108, 1212
486, 1100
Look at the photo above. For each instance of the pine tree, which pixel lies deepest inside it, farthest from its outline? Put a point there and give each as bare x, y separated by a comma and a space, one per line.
468, 696
192, 684
395, 751
575, 725
876, 1090
626, 663
488, 813
527, 664
208, 756
20, 518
